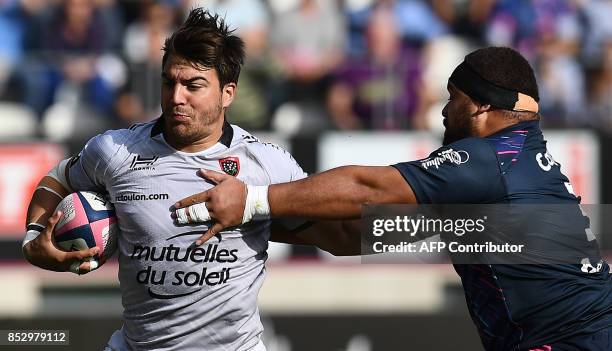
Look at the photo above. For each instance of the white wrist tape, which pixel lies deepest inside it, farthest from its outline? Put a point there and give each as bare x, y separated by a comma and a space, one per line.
256, 206
33, 231
197, 213
75, 266
30, 235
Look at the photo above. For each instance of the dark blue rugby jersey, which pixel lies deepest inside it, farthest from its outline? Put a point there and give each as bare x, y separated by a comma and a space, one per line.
515, 307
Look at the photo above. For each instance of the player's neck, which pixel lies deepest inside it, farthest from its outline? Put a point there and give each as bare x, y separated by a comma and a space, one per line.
209, 138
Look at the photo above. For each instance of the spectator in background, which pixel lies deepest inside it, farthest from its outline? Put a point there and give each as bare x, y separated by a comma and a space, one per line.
111, 13
466, 18
596, 57
308, 44
441, 32
439, 57
415, 21
75, 88
377, 90
547, 32
18, 34
600, 97
140, 99
13, 29
248, 17
81, 68
598, 30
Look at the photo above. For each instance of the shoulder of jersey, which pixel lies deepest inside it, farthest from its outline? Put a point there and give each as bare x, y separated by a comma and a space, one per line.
473, 145
135, 133
469, 142
141, 128
252, 143
114, 140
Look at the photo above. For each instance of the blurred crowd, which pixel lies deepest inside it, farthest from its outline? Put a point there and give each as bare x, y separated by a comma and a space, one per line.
70, 67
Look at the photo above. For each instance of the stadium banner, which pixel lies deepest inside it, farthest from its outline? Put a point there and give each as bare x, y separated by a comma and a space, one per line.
21, 168
578, 153
576, 150
487, 234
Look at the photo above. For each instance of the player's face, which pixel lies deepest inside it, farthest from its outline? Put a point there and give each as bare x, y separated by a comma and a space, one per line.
458, 113
192, 101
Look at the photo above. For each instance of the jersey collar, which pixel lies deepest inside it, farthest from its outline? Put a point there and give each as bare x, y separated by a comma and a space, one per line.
527, 125
226, 136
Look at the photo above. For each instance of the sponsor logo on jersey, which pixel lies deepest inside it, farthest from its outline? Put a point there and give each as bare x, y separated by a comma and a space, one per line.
129, 197
230, 165
171, 283
451, 156
140, 163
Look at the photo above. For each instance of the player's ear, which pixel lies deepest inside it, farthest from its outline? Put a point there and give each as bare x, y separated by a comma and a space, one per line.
482, 108
227, 94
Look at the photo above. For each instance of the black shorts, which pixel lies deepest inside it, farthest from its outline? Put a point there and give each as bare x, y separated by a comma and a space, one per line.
599, 341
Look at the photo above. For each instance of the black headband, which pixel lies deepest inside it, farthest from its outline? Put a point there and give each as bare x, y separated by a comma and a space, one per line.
481, 90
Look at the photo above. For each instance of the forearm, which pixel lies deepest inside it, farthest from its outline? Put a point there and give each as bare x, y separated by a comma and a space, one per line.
39, 247
45, 199
339, 193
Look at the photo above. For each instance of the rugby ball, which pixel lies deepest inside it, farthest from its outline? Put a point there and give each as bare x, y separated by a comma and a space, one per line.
88, 220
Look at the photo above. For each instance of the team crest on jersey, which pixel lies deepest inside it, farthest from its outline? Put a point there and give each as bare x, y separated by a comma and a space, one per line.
230, 165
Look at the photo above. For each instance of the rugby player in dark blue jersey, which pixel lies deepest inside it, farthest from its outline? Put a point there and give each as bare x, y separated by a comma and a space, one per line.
493, 153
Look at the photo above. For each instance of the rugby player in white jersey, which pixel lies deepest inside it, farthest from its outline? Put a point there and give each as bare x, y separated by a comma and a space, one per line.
176, 296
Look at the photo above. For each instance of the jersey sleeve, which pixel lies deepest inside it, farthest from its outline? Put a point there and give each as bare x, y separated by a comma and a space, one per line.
279, 164
281, 168
92, 167
466, 171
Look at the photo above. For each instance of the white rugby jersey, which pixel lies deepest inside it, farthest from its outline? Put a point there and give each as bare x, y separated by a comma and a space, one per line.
175, 296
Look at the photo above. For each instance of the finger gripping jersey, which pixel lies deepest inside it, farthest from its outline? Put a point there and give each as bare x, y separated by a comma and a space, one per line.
518, 306
177, 296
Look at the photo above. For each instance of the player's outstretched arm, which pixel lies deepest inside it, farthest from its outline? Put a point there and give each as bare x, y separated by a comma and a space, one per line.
339, 193
38, 247
335, 194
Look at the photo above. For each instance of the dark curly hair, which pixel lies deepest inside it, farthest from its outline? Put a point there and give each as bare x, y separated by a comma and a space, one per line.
506, 68
205, 39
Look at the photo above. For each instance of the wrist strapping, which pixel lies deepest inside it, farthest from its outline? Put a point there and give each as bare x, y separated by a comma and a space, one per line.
75, 267
33, 231
256, 206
